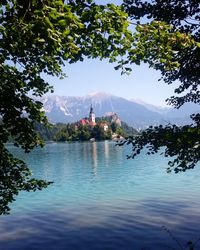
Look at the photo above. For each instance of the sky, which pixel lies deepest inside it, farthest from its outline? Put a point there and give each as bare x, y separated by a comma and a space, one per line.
100, 76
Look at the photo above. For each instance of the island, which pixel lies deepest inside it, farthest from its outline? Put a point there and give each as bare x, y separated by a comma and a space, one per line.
91, 128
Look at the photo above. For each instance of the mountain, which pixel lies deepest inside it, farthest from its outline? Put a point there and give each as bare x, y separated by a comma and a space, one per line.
182, 115
70, 109
158, 109
179, 116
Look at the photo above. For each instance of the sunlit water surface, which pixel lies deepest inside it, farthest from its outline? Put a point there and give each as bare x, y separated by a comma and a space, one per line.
100, 200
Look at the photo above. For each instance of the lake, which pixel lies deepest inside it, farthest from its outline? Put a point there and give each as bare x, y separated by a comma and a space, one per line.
101, 200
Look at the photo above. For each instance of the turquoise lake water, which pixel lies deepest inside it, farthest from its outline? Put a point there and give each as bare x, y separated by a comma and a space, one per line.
101, 200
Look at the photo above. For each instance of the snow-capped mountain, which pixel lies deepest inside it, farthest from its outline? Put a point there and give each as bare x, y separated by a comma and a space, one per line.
71, 109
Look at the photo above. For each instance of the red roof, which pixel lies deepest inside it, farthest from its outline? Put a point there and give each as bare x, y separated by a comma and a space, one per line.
86, 122
83, 121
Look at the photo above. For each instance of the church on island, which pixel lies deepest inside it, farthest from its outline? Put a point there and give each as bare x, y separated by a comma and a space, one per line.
90, 121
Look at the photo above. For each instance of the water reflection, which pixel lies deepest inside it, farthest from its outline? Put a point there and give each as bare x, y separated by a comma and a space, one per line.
94, 157
106, 150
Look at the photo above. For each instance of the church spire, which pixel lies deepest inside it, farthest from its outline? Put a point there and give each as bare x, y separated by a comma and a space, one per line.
91, 109
92, 115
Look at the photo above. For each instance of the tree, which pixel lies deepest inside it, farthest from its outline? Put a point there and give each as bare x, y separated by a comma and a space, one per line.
38, 37
120, 131
114, 126
98, 132
108, 134
62, 135
169, 41
84, 132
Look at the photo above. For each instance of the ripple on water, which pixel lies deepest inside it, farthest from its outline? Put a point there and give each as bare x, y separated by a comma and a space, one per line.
101, 201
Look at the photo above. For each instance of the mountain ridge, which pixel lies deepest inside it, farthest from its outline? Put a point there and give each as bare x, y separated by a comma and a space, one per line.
73, 108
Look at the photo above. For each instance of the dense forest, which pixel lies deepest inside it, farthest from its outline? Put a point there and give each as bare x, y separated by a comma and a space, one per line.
78, 132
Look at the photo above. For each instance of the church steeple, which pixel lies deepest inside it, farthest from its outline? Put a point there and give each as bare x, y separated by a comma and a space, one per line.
91, 109
92, 115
